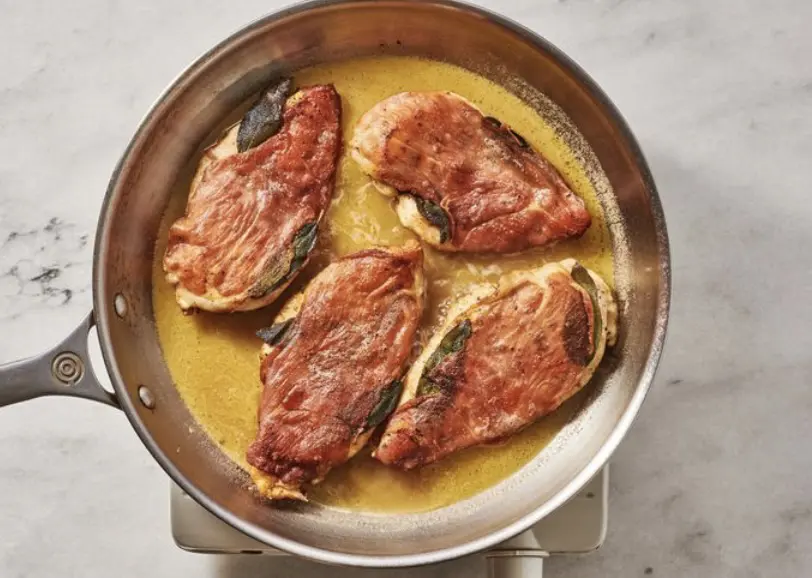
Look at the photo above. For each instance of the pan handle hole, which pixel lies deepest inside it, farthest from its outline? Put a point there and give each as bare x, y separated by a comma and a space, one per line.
97, 361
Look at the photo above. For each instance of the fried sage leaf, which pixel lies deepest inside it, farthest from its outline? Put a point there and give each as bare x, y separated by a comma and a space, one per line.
493, 121
499, 125
386, 404
581, 276
264, 119
275, 333
303, 243
285, 265
453, 341
519, 139
435, 215
272, 277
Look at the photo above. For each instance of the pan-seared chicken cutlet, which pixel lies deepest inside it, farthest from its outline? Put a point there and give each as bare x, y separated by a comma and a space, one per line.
332, 365
464, 181
256, 202
503, 359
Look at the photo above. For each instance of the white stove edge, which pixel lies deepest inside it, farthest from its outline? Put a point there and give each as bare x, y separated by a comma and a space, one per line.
577, 527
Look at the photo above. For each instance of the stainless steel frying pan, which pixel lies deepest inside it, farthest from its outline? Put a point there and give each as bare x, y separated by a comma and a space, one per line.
139, 190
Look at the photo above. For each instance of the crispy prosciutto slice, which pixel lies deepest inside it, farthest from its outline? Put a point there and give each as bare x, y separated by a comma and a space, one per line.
256, 202
464, 181
502, 360
332, 365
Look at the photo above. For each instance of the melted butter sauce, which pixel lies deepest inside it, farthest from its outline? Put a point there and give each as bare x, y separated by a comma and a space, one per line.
213, 359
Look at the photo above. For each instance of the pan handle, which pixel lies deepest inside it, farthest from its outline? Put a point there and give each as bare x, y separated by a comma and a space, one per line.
64, 370
515, 563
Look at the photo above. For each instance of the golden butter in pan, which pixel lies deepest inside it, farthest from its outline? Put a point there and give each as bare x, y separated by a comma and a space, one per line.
213, 358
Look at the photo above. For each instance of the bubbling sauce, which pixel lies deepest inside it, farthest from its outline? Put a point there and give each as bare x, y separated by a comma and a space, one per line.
213, 358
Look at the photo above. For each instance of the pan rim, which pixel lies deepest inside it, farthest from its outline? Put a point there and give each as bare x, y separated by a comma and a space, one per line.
600, 458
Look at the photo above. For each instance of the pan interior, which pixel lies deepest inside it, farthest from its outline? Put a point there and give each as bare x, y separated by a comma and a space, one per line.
213, 357
222, 81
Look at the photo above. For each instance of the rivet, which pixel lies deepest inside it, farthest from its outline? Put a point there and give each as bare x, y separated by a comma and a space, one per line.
67, 367
146, 397
120, 305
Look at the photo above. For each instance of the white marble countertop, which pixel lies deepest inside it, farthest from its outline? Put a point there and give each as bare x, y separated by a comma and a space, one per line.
713, 480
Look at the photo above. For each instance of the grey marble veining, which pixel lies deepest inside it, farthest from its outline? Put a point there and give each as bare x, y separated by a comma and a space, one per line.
713, 480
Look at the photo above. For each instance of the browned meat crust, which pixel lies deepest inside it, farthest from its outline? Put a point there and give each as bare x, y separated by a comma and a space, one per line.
328, 379
482, 181
505, 363
233, 247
